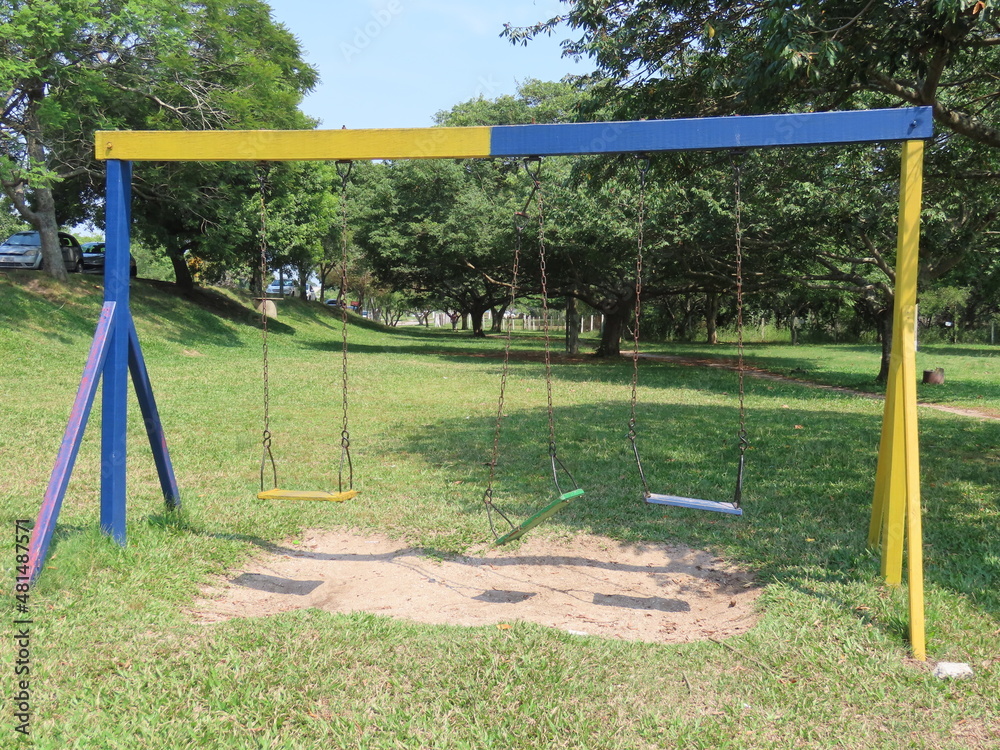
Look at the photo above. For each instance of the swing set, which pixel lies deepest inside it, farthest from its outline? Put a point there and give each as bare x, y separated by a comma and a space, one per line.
115, 352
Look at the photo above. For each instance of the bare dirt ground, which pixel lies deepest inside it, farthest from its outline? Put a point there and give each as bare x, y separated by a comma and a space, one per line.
587, 585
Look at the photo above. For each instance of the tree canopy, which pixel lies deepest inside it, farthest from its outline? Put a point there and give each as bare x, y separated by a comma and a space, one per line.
76, 66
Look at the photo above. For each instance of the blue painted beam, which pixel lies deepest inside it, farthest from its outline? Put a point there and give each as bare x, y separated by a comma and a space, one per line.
115, 394
756, 131
45, 524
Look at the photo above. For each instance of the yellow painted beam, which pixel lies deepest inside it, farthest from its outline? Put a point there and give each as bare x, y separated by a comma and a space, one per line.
293, 145
896, 509
894, 501
907, 262
883, 471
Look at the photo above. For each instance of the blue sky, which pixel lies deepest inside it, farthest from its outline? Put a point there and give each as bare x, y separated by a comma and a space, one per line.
395, 63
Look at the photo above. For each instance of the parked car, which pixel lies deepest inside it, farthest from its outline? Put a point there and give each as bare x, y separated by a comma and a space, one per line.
93, 259
275, 288
24, 250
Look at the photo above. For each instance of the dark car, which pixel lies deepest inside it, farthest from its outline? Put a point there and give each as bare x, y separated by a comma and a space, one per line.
24, 250
93, 259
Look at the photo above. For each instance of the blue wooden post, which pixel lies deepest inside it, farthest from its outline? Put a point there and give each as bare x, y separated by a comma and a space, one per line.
115, 398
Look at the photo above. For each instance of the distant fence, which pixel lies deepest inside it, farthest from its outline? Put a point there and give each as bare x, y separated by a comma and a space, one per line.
557, 321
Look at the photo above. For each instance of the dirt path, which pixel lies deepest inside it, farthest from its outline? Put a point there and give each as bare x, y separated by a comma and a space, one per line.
766, 375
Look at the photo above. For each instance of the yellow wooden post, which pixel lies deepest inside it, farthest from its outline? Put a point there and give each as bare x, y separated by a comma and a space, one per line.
875, 525
906, 284
892, 457
896, 506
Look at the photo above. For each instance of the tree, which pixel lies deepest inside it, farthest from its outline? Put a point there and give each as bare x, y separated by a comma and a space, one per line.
431, 229
758, 55
664, 59
10, 221
75, 66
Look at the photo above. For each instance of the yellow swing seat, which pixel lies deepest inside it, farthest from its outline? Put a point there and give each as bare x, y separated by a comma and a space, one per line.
335, 497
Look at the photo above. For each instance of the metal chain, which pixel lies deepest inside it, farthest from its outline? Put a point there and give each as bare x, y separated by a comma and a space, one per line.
344, 172
744, 441
557, 464
643, 163
267, 456
519, 227
539, 197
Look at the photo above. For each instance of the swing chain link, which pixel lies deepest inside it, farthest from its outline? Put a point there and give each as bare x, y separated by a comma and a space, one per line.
267, 456
344, 172
557, 464
742, 437
520, 224
643, 163
543, 272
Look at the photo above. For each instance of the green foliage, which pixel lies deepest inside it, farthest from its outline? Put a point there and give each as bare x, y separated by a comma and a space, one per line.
827, 216
71, 68
438, 229
10, 222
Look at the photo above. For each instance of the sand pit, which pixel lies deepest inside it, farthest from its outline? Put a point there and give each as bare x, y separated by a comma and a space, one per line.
587, 585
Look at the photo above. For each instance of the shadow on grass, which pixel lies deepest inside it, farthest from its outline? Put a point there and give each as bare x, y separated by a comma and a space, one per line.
71, 309
957, 350
31, 296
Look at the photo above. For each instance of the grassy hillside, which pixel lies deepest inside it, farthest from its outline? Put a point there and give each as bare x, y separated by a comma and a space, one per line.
119, 664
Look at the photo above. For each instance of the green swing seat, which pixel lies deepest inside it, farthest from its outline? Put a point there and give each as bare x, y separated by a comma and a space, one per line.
545, 513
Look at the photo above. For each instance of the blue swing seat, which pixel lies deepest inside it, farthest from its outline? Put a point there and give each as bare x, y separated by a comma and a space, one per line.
693, 503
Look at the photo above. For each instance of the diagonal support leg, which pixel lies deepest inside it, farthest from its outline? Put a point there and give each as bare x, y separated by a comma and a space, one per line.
151, 418
41, 535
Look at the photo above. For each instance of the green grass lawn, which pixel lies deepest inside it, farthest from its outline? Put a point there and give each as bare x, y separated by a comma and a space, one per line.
119, 663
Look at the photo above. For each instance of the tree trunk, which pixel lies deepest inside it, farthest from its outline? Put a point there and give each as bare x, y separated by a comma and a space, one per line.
465, 321
43, 215
572, 326
182, 272
499, 313
256, 287
476, 314
48, 232
611, 332
712, 317
884, 318
686, 321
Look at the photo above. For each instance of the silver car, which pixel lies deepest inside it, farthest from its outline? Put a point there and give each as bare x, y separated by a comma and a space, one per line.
24, 250
275, 288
